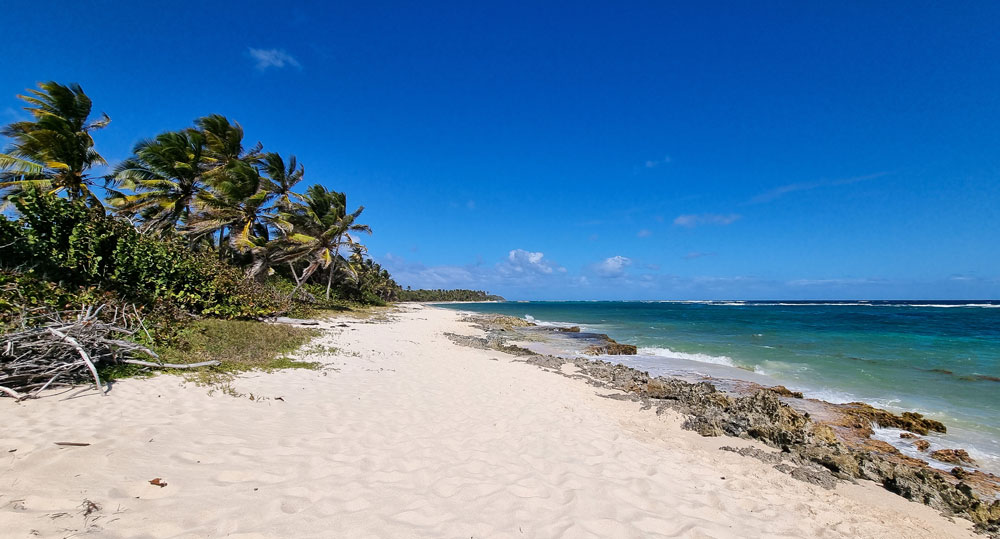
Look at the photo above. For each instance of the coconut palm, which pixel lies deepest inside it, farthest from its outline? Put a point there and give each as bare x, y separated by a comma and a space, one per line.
224, 140
282, 179
54, 151
323, 227
165, 176
238, 204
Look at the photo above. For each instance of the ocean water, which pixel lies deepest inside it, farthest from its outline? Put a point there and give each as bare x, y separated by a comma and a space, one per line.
939, 358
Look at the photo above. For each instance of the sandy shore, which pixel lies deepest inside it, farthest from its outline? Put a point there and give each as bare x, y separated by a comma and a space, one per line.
405, 434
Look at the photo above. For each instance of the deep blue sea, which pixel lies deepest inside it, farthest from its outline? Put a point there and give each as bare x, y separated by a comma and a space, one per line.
940, 358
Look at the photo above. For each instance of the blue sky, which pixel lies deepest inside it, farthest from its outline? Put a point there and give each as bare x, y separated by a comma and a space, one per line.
580, 150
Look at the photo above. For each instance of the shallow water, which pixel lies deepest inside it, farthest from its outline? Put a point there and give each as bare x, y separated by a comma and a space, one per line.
938, 358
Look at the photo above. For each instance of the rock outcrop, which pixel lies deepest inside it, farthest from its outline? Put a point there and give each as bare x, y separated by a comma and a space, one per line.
858, 414
953, 456
611, 349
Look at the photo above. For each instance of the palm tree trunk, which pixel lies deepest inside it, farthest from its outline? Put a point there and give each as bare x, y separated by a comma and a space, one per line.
329, 280
333, 267
306, 274
222, 235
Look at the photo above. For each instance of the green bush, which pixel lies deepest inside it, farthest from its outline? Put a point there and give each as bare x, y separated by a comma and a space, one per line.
75, 246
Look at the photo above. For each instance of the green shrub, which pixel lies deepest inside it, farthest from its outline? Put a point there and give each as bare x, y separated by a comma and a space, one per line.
75, 246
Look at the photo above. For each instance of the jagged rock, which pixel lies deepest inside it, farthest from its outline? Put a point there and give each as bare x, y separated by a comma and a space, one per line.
550, 362
907, 435
574, 329
611, 349
498, 321
953, 456
785, 392
922, 445
769, 457
910, 421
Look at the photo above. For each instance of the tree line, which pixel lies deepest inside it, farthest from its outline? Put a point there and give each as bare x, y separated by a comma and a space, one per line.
447, 295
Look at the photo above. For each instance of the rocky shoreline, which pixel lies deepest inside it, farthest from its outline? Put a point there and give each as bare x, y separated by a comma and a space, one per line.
819, 442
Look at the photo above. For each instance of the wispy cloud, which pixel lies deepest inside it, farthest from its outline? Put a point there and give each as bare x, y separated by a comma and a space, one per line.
697, 254
833, 282
276, 58
779, 192
644, 233
691, 220
653, 163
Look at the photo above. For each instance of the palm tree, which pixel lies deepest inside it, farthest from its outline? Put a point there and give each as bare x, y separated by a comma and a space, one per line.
225, 142
165, 175
282, 179
238, 202
55, 150
323, 226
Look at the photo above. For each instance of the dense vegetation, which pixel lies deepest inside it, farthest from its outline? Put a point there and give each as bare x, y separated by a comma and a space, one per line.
446, 295
196, 221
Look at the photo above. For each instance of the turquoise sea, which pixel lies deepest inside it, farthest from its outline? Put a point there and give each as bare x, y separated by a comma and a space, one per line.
940, 358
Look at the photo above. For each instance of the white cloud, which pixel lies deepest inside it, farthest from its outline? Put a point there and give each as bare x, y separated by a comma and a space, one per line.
645, 233
277, 58
613, 267
691, 220
653, 163
521, 261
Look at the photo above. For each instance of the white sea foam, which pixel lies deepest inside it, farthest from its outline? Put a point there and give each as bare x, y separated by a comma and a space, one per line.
546, 323
940, 306
703, 358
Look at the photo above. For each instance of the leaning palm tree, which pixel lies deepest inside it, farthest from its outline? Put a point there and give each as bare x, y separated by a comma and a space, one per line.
165, 175
224, 140
322, 228
282, 179
238, 205
54, 151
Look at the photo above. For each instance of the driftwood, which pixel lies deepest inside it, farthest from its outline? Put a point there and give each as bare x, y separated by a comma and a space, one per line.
171, 365
62, 349
293, 321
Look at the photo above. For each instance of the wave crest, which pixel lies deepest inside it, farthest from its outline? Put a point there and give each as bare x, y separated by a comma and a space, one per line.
702, 358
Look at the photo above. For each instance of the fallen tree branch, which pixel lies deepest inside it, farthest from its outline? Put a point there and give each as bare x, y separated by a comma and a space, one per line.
53, 349
83, 354
172, 365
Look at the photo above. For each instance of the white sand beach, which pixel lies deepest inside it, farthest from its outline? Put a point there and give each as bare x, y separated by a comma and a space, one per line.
404, 434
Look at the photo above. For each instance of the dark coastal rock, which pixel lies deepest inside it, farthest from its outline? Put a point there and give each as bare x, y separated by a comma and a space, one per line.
953, 456
574, 329
785, 392
922, 445
910, 421
800, 469
907, 435
611, 349
488, 343
498, 322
